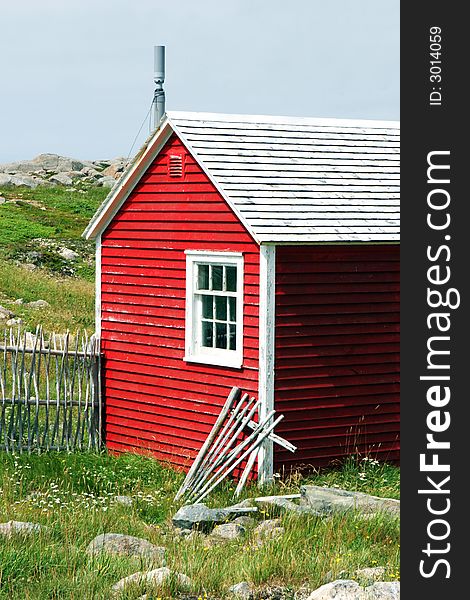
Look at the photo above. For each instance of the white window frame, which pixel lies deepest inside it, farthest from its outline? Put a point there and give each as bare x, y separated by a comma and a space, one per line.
194, 351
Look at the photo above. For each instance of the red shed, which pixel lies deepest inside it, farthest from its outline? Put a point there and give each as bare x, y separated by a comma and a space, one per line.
260, 252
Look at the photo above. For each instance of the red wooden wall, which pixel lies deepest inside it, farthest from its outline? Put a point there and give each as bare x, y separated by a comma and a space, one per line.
155, 400
337, 351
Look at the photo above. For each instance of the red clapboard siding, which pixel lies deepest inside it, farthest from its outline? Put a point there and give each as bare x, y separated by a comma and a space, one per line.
155, 401
337, 352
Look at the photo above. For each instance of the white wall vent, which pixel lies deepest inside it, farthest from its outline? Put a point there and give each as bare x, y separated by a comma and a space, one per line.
175, 165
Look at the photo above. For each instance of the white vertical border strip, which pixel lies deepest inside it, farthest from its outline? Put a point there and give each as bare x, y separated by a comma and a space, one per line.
98, 288
267, 286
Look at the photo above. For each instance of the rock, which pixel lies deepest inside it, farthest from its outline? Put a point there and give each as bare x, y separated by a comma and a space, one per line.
346, 589
18, 301
341, 589
383, 590
268, 530
68, 254
199, 516
69, 164
5, 313
245, 521
124, 500
13, 322
287, 504
18, 527
125, 545
24, 181
61, 178
113, 170
182, 532
228, 531
29, 266
44, 163
241, 590
37, 304
155, 577
332, 500
371, 573
91, 172
74, 175
2, 199
5, 179
101, 164
107, 182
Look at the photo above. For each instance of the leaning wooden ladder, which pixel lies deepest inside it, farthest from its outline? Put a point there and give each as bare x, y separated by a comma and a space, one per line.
224, 450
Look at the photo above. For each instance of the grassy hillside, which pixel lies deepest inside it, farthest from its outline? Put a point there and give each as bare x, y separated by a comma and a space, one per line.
35, 225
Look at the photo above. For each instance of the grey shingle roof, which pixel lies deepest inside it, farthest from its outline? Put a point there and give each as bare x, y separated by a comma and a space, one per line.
290, 180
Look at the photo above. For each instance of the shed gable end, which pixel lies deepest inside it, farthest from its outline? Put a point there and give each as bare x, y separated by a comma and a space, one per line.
155, 400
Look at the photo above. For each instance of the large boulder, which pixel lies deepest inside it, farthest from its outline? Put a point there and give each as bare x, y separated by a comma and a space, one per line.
228, 531
19, 180
203, 518
286, 504
19, 528
155, 577
114, 170
106, 182
126, 545
332, 500
61, 179
346, 589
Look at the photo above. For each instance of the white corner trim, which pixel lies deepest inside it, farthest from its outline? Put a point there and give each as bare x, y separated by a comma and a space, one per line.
98, 288
267, 275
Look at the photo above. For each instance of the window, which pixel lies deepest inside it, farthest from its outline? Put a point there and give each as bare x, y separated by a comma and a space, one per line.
214, 308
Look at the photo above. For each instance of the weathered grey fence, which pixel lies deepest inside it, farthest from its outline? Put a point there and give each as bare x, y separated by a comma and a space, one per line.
50, 391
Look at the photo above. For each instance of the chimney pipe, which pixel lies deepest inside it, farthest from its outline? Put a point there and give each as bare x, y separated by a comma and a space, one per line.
159, 78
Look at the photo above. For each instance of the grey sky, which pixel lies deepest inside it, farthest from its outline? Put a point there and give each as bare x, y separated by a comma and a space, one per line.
77, 76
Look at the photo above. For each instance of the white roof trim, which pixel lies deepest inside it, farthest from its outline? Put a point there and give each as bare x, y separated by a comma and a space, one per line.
276, 120
124, 186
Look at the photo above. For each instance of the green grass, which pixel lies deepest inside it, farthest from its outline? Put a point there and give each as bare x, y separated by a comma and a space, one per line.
54, 213
57, 216
71, 494
71, 299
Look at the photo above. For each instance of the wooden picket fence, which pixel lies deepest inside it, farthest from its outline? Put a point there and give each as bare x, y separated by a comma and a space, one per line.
50, 391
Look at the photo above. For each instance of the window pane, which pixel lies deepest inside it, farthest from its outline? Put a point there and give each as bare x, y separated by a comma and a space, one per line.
221, 308
221, 335
231, 274
207, 334
217, 277
207, 307
203, 277
232, 303
232, 337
